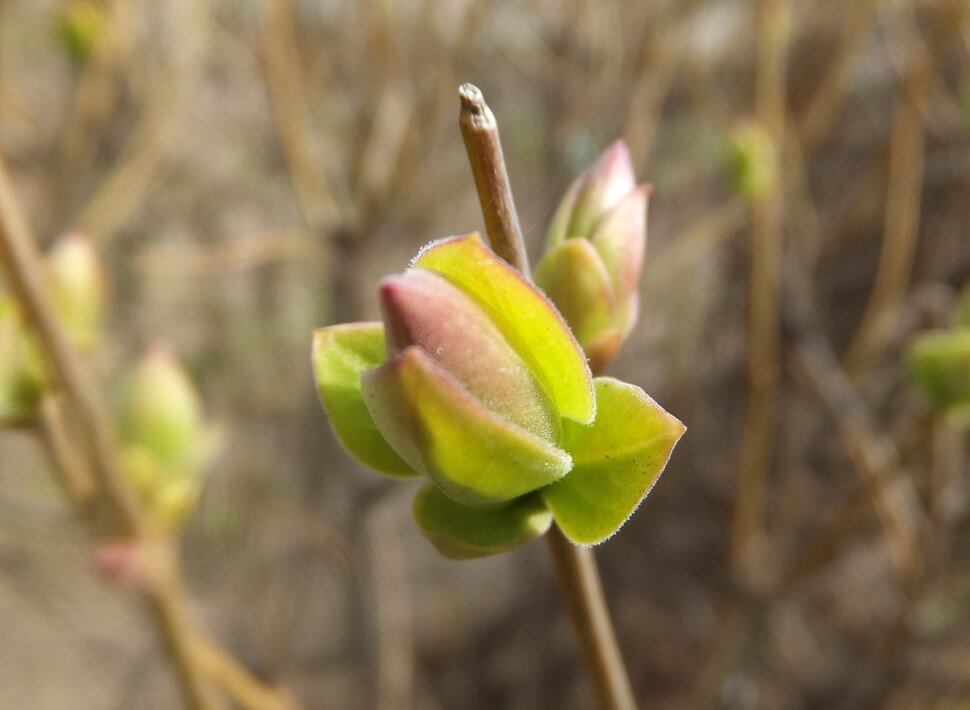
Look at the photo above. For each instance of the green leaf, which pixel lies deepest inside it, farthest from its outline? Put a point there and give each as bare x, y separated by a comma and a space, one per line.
525, 316
476, 457
616, 462
340, 354
462, 533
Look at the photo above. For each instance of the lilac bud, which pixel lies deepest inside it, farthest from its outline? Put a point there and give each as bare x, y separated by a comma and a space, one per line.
423, 309
597, 289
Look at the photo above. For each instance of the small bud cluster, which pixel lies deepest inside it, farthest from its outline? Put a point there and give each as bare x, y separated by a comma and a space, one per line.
481, 382
166, 439
594, 255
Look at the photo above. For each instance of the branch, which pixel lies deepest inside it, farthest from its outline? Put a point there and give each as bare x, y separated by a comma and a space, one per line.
579, 579
24, 273
23, 270
579, 582
479, 130
767, 233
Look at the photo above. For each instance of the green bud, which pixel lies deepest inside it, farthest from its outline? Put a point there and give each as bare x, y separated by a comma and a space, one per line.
77, 287
458, 386
161, 411
475, 381
594, 255
751, 160
167, 442
23, 377
939, 361
82, 26
423, 309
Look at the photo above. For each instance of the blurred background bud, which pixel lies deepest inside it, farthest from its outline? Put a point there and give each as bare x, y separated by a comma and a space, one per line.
82, 26
940, 365
22, 375
121, 561
750, 160
77, 288
167, 442
594, 255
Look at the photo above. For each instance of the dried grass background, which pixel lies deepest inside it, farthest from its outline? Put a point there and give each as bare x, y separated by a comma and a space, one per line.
250, 169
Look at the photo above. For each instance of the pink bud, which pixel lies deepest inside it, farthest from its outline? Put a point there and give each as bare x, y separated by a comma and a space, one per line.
423, 309
594, 192
121, 561
607, 208
620, 240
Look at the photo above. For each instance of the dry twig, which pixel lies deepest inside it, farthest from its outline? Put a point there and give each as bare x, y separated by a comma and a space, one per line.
767, 221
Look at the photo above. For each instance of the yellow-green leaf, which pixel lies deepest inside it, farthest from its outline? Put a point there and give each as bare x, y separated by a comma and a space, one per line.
476, 456
574, 277
462, 533
340, 354
616, 462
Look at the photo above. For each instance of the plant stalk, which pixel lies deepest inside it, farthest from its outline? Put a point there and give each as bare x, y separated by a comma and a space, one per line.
749, 540
576, 569
579, 582
479, 130
22, 267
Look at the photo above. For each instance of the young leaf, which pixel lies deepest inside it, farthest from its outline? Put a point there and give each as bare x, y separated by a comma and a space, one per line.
574, 277
462, 533
477, 457
620, 240
340, 354
616, 462
527, 319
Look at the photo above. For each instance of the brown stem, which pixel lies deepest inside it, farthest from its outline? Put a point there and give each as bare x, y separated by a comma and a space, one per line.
287, 93
226, 672
767, 223
166, 602
70, 467
479, 130
576, 570
872, 452
579, 581
901, 223
165, 599
23, 270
